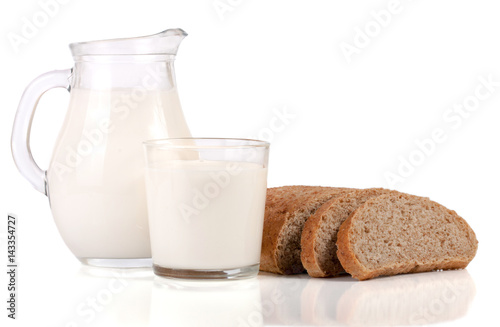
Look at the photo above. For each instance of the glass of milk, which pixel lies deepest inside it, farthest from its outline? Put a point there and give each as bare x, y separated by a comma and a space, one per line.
206, 200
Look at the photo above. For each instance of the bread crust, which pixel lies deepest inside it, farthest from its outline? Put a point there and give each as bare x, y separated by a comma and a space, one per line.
308, 241
347, 256
345, 253
329, 212
273, 224
283, 206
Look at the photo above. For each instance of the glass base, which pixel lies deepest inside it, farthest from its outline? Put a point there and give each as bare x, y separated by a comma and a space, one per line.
118, 263
216, 274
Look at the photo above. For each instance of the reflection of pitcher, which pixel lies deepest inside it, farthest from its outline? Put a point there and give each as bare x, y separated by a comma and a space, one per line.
122, 92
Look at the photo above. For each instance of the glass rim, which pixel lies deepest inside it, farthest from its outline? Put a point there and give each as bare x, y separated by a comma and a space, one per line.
180, 143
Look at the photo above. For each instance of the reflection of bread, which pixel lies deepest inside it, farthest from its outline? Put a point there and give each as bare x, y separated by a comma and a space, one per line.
281, 302
319, 237
399, 233
407, 299
287, 209
320, 299
402, 300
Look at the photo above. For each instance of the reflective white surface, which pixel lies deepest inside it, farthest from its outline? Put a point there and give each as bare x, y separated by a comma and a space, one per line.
277, 66
107, 297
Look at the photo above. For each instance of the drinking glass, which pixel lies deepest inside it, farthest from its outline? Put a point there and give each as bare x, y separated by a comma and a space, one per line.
206, 200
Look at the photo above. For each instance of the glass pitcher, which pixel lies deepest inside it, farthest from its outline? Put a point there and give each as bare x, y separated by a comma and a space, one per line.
122, 92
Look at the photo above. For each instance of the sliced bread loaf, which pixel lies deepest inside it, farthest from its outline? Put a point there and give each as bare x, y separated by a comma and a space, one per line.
287, 209
319, 237
400, 233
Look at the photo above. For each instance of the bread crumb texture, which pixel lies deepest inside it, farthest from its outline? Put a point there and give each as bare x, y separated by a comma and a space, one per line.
400, 233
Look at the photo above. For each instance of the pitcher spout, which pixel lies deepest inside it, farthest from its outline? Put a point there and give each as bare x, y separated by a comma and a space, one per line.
172, 38
163, 43
168, 41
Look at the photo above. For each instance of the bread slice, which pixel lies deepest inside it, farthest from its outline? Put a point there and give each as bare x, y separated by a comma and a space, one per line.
287, 209
401, 233
319, 237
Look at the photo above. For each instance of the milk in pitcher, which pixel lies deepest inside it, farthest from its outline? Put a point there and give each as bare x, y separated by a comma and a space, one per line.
96, 177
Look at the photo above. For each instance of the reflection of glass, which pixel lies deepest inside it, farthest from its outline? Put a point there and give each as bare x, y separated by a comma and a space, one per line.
412, 299
197, 303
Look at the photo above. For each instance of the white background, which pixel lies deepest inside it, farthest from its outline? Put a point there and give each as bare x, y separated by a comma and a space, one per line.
354, 117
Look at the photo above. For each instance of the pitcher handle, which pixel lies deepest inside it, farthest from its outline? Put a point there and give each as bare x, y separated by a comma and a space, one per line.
20, 142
